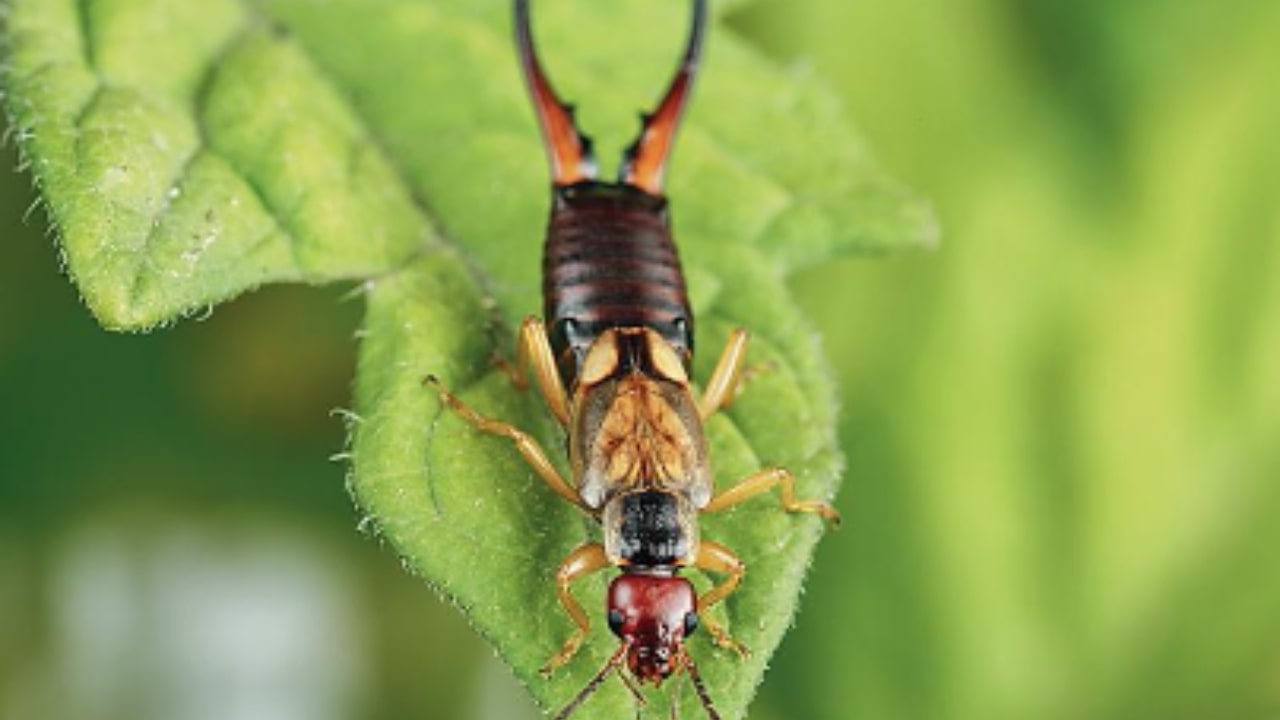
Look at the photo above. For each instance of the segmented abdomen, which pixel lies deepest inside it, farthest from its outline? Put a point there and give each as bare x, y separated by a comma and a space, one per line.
609, 262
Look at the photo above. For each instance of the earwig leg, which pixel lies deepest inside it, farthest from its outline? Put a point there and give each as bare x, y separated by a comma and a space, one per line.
716, 558
763, 481
727, 377
534, 354
586, 559
527, 446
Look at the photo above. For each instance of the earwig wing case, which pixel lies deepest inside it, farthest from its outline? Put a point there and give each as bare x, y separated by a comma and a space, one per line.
187, 152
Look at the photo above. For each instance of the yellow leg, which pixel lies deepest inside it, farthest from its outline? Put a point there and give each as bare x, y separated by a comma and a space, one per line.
765, 480
533, 352
528, 447
725, 380
716, 558
586, 559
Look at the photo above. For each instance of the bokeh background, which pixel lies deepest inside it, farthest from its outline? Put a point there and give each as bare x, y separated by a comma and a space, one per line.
1063, 427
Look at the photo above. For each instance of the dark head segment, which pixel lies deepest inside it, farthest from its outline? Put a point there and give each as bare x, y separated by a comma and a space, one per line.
652, 615
569, 149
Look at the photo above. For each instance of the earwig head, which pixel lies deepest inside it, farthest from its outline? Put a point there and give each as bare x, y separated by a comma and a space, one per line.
652, 615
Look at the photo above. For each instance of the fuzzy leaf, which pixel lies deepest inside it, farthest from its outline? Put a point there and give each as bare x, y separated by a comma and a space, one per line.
188, 151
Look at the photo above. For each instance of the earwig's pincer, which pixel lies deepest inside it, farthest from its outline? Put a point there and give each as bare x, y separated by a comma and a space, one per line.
613, 363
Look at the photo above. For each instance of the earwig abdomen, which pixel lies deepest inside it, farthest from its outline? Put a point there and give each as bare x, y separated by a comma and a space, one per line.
609, 262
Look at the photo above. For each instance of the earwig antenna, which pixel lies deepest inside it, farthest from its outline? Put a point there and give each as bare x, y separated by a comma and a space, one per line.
586, 692
567, 148
635, 691
645, 162
700, 688
674, 713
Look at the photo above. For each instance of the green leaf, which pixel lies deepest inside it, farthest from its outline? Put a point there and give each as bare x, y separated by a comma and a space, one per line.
190, 151
187, 153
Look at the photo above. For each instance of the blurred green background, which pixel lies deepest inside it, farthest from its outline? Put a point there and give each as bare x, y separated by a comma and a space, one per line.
1063, 427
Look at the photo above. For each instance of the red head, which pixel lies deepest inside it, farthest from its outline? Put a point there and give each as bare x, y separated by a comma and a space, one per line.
652, 615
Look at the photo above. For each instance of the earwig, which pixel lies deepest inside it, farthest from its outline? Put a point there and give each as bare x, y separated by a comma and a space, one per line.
614, 370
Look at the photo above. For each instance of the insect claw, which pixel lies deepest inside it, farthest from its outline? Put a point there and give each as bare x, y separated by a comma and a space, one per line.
549, 669
832, 517
821, 509
725, 641
568, 651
